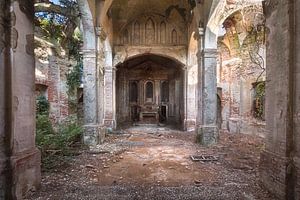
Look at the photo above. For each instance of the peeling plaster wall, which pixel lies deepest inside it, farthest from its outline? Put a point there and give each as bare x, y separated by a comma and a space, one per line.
50, 72
192, 83
237, 72
17, 72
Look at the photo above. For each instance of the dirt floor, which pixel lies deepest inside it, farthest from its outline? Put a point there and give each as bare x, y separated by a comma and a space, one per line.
154, 163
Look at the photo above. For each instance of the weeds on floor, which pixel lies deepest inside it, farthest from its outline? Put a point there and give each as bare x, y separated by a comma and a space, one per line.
57, 145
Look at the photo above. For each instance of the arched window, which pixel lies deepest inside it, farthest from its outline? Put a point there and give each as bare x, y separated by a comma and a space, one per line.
149, 91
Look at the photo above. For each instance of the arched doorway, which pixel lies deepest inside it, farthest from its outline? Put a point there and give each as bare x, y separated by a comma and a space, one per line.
150, 90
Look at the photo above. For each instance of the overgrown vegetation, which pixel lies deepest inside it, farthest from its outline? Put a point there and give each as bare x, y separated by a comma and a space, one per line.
74, 78
42, 105
58, 22
259, 105
56, 145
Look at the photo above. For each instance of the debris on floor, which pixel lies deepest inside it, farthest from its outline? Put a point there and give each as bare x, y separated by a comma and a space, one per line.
204, 158
139, 165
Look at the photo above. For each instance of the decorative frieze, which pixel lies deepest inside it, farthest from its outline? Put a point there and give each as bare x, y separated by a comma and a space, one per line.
152, 30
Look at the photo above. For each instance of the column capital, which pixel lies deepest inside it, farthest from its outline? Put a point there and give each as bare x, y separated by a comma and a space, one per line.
210, 53
100, 32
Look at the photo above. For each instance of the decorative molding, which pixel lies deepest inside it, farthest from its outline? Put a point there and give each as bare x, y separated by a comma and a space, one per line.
89, 53
100, 32
210, 53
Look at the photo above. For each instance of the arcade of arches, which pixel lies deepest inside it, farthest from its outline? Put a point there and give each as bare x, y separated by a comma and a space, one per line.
196, 66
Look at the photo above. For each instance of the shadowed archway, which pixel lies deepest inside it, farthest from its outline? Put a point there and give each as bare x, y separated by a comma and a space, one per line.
150, 90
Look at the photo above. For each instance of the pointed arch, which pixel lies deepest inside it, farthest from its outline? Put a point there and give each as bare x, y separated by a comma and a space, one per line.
126, 39
136, 33
163, 32
150, 31
174, 36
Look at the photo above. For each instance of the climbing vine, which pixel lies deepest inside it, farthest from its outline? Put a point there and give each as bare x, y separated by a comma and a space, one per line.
259, 106
74, 77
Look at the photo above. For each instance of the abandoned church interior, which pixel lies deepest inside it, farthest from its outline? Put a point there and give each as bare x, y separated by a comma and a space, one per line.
139, 99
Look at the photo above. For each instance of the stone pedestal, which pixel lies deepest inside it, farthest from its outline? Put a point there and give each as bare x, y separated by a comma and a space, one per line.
93, 134
207, 135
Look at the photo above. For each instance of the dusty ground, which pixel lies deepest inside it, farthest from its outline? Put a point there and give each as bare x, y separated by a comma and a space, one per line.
154, 163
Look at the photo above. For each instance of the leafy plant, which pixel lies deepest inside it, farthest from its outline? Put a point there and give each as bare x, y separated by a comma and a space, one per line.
42, 105
56, 146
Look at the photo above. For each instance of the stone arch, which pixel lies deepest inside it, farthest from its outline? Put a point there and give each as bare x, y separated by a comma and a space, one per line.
168, 56
218, 14
87, 25
122, 54
193, 49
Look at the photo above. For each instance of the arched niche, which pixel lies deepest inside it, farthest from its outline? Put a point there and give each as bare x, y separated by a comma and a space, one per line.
150, 32
163, 33
136, 33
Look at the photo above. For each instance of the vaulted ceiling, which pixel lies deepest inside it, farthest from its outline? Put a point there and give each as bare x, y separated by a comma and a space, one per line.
123, 12
126, 10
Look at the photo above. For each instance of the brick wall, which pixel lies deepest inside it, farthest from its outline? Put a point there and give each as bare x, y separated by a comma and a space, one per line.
238, 71
51, 70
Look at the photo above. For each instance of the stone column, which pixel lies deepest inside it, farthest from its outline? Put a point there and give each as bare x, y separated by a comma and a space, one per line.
109, 97
109, 88
207, 130
19, 158
91, 127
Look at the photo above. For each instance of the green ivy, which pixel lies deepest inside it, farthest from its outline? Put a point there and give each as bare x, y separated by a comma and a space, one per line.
74, 78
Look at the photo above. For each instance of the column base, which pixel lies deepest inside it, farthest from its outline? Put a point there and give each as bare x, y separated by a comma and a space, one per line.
109, 123
26, 173
93, 135
189, 125
207, 135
